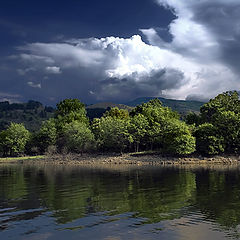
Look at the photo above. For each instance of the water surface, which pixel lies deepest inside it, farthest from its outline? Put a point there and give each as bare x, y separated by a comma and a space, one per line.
60, 202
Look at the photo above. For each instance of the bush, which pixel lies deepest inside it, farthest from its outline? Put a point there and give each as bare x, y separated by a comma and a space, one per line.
51, 150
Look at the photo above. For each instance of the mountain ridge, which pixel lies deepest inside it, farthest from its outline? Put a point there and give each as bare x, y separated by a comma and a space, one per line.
181, 106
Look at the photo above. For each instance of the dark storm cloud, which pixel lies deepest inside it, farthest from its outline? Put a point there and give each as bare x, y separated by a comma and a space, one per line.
197, 97
96, 69
147, 85
222, 19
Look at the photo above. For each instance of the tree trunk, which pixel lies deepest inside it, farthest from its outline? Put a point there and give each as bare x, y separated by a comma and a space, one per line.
137, 147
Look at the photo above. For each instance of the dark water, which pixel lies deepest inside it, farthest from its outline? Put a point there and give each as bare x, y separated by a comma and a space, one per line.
140, 203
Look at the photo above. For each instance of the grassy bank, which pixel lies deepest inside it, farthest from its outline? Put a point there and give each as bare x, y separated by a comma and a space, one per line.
20, 159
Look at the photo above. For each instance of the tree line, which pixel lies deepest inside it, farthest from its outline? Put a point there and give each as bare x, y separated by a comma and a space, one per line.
149, 126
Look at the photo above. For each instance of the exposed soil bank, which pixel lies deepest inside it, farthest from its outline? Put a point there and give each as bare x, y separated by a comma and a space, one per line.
140, 159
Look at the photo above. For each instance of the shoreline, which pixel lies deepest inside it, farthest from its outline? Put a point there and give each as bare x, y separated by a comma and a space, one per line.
21, 159
138, 159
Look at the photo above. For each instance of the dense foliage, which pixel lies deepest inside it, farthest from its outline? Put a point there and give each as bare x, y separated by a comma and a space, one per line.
149, 126
13, 140
78, 137
31, 114
217, 128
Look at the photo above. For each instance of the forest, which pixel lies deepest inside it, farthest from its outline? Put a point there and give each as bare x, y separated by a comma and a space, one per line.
148, 126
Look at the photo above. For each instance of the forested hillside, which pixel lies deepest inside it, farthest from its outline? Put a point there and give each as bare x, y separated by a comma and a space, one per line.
181, 106
98, 109
31, 114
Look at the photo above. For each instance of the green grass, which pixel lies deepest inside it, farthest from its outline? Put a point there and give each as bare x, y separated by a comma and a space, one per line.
21, 158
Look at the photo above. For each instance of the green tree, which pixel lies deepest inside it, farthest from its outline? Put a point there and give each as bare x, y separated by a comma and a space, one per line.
157, 117
78, 137
228, 125
154, 111
13, 140
112, 133
223, 112
193, 119
138, 129
177, 138
70, 110
228, 101
47, 135
117, 113
208, 140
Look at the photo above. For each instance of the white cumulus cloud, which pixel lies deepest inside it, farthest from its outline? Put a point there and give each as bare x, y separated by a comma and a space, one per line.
115, 67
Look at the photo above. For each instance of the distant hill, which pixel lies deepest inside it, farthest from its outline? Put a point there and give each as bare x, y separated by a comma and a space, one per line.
31, 114
98, 109
181, 106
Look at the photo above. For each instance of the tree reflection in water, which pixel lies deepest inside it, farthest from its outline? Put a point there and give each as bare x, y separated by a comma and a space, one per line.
149, 194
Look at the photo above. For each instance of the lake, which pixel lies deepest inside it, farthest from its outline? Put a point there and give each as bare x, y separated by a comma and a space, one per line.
39, 202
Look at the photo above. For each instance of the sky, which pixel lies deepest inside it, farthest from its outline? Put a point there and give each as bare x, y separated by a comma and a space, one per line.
118, 50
